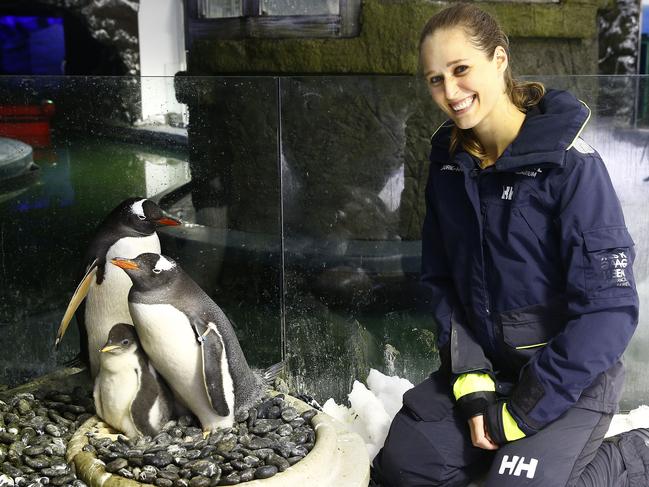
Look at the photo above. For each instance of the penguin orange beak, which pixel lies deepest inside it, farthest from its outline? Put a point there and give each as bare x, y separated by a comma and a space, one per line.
125, 263
168, 221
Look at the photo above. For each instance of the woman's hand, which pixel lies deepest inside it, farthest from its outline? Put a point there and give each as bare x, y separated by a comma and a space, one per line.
479, 436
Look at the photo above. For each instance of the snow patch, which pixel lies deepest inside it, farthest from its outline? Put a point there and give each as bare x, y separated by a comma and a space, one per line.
371, 410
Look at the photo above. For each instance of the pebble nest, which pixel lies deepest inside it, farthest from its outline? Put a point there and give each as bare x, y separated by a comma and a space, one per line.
34, 433
264, 440
35, 429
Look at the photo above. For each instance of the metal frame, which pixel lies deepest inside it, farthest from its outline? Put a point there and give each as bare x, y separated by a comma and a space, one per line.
254, 25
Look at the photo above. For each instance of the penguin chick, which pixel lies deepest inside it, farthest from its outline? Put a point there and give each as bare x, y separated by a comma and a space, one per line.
191, 342
129, 230
129, 394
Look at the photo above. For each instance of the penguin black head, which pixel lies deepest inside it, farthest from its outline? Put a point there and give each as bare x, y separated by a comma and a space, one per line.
139, 216
149, 271
121, 339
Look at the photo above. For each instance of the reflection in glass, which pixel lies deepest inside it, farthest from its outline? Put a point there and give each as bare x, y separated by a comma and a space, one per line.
216, 9
300, 7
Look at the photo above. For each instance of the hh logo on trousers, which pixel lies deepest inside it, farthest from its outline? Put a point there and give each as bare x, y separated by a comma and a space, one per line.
517, 465
508, 192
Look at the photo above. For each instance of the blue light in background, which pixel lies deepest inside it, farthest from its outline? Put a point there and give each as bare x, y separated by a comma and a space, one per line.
29, 23
31, 45
645, 19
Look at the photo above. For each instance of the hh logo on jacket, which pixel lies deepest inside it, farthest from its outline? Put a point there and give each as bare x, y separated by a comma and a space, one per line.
508, 193
517, 465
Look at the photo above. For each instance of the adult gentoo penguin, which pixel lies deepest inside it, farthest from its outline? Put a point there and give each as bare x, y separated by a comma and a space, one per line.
129, 230
191, 342
129, 394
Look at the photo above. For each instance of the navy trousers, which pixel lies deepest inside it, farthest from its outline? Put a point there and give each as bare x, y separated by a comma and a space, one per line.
429, 444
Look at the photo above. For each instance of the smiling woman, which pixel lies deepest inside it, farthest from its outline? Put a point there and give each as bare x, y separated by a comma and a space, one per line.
530, 282
470, 79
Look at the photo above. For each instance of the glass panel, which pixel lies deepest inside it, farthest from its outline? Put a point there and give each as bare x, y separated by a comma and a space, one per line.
91, 154
345, 250
354, 165
300, 7
352, 175
217, 9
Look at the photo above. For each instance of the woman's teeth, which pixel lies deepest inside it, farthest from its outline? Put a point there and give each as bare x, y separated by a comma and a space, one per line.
463, 104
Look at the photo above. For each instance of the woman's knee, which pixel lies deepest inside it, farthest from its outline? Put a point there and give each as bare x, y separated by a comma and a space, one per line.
418, 453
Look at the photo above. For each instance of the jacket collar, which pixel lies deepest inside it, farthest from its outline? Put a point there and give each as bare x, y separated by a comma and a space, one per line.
549, 130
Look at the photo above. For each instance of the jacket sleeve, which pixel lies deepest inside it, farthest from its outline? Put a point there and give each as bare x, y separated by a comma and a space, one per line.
597, 255
465, 353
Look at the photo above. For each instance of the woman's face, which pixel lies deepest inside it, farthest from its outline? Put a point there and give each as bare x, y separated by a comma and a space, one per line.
462, 80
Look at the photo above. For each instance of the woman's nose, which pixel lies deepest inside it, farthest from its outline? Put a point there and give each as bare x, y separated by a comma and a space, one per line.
450, 88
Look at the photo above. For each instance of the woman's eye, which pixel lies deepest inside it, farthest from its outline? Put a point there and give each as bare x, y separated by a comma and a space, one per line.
461, 69
435, 80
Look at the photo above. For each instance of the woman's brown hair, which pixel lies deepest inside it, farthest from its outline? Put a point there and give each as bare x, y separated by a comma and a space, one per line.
485, 34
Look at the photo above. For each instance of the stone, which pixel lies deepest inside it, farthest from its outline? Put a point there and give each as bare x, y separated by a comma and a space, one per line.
33, 451
280, 462
230, 479
308, 415
247, 475
159, 459
124, 472
65, 479
6, 481
289, 414
293, 460
116, 465
265, 472
199, 482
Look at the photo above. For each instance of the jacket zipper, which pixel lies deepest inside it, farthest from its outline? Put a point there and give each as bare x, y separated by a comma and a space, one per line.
483, 246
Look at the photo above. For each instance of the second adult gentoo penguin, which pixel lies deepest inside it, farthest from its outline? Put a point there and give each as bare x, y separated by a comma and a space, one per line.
129, 394
191, 342
128, 231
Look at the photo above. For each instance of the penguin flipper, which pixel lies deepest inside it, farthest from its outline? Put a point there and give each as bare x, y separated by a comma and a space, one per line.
79, 295
212, 350
148, 391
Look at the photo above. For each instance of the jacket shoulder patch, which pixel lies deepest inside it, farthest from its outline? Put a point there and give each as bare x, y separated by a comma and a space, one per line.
581, 146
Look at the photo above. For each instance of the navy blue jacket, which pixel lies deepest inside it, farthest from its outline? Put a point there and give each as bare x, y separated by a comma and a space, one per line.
529, 265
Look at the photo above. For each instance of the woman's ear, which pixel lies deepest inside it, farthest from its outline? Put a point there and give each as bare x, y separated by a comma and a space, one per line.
500, 55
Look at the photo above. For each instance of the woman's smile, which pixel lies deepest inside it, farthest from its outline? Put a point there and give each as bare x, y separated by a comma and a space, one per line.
463, 106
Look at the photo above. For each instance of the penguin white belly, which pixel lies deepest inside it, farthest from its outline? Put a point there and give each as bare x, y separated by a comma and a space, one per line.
170, 343
114, 393
107, 303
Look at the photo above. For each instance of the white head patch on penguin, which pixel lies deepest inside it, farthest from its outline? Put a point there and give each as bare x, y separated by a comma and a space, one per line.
138, 209
163, 264
149, 271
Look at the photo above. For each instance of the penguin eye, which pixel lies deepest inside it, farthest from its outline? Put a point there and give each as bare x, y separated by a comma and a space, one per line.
125, 341
141, 217
157, 271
